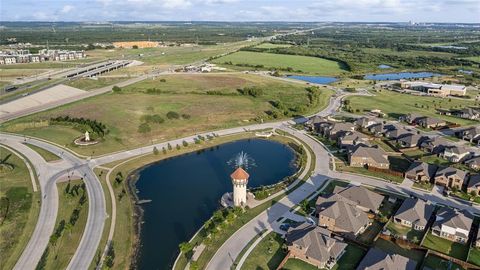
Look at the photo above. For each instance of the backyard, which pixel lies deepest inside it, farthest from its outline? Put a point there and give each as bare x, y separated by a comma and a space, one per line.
267, 254
445, 246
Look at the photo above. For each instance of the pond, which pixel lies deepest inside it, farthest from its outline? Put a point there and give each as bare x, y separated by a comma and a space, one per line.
400, 75
382, 66
185, 191
314, 79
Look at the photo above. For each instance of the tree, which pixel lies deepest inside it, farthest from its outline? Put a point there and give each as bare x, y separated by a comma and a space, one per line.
304, 205
155, 150
473, 193
110, 257
144, 128
415, 240
194, 265
185, 143
116, 89
164, 150
67, 188
169, 146
178, 147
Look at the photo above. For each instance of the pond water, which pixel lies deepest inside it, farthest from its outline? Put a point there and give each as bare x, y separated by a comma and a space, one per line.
185, 191
382, 66
314, 79
400, 75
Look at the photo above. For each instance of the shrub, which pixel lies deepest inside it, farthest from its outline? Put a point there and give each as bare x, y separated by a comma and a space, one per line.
185, 143
144, 128
116, 89
173, 115
155, 150
186, 116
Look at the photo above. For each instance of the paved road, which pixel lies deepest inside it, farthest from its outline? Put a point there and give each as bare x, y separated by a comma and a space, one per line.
48, 174
235, 244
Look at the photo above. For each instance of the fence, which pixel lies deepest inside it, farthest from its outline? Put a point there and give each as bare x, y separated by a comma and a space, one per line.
386, 171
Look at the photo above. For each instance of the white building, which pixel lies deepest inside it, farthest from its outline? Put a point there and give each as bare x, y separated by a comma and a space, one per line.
239, 181
435, 89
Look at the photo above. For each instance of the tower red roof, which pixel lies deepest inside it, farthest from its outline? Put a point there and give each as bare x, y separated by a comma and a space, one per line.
239, 173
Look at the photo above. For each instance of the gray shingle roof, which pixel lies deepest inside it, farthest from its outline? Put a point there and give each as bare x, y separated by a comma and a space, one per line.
416, 211
422, 167
347, 216
454, 219
363, 197
474, 181
379, 260
450, 171
375, 153
316, 241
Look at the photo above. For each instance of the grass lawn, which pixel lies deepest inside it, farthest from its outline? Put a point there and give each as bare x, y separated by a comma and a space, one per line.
392, 248
464, 195
423, 185
403, 231
267, 254
298, 63
62, 250
396, 104
436, 263
414, 154
383, 145
296, 264
474, 256
331, 186
433, 159
363, 171
272, 46
351, 258
19, 208
47, 155
453, 249
209, 101
88, 83
370, 233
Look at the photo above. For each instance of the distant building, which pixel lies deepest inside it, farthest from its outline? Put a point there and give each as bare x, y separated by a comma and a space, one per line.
434, 89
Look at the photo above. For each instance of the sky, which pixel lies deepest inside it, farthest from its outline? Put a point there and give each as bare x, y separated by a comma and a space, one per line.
467, 11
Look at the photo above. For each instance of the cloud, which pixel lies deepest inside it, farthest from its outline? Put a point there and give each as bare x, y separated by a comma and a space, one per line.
176, 4
67, 9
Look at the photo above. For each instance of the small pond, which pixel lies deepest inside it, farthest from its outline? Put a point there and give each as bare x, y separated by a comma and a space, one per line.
400, 75
185, 191
314, 79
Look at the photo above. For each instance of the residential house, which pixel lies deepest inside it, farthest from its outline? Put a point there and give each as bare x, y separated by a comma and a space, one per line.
395, 133
414, 213
456, 153
315, 122
409, 140
434, 145
466, 113
452, 224
473, 163
411, 118
377, 129
364, 122
365, 199
430, 122
368, 156
421, 171
451, 177
474, 184
471, 134
314, 245
341, 215
352, 138
336, 129
376, 259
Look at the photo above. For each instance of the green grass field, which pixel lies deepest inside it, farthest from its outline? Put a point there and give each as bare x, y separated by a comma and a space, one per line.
392, 248
296, 264
352, 257
89, 84
19, 208
474, 256
396, 104
47, 155
436, 263
453, 249
211, 102
62, 250
304, 64
267, 254
474, 58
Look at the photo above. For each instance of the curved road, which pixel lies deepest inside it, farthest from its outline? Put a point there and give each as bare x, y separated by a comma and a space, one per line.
48, 174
